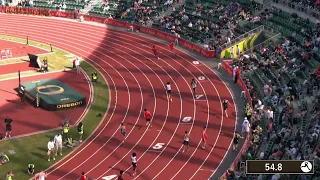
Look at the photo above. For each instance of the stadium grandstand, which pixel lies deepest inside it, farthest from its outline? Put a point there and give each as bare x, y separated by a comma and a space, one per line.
279, 60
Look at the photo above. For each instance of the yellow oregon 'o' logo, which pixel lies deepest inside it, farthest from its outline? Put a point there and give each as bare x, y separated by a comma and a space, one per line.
51, 89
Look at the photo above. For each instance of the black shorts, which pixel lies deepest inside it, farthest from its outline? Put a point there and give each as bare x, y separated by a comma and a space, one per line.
134, 165
169, 91
186, 143
148, 120
8, 128
235, 142
30, 170
225, 108
123, 132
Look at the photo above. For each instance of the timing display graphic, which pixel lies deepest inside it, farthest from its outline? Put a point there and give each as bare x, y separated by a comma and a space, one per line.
279, 167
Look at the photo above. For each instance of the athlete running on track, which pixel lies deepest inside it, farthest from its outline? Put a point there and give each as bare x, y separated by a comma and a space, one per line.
120, 175
236, 137
147, 115
134, 163
83, 177
171, 46
186, 139
155, 51
194, 87
225, 104
168, 87
123, 131
204, 137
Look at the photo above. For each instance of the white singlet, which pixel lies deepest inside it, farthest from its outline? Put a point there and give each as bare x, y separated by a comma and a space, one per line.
194, 84
168, 87
186, 137
133, 159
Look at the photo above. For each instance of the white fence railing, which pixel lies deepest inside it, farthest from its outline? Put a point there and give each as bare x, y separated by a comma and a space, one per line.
273, 39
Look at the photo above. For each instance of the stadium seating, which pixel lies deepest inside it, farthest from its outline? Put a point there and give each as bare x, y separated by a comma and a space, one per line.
298, 138
58, 5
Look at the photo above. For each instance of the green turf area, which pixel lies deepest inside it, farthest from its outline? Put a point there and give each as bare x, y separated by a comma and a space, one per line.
57, 60
33, 149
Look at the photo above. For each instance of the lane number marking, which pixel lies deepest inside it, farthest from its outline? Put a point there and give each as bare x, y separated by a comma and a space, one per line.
186, 119
201, 78
199, 96
196, 62
158, 146
111, 177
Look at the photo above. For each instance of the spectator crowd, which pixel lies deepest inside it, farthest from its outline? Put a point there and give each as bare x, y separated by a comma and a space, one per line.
283, 79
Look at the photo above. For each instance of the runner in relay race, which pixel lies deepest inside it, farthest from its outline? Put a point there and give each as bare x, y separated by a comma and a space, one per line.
194, 87
236, 138
225, 104
155, 52
168, 87
204, 137
83, 176
147, 115
134, 163
186, 139
171, 46
120, 175
123, 131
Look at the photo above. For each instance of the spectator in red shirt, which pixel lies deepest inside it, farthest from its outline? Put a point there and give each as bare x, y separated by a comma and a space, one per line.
278, 49
75, 13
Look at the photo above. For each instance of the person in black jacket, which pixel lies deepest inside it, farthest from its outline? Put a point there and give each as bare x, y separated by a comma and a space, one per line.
8, 122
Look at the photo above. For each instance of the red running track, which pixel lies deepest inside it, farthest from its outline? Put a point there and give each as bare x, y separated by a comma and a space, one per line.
15, 67
137, 81
19, 49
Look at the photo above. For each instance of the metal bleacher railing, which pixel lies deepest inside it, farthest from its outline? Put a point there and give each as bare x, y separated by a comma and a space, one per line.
243, 36
274, 39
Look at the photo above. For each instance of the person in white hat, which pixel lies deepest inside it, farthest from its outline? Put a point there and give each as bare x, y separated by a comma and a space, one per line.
245, 127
